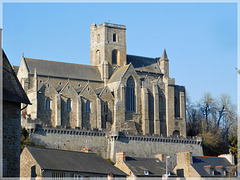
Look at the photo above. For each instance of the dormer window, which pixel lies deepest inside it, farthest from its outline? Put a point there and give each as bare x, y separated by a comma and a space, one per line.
146, 172
114, 37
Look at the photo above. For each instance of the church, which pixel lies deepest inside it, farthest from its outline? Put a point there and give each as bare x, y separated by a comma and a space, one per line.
117, 92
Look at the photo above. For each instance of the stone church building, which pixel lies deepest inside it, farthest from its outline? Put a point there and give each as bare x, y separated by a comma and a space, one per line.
117, 92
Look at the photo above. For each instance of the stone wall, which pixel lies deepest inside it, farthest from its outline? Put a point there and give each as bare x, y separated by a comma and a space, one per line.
70, 139
107, 145
11, 138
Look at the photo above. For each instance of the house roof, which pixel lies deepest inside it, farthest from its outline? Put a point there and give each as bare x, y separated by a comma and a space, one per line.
12, 89
118, 74
155, 167
200, 161
144, 64
63, 160
61, 69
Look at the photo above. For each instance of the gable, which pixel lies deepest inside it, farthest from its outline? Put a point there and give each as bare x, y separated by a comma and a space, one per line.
106, 93
12, 89
68, 90
88, 92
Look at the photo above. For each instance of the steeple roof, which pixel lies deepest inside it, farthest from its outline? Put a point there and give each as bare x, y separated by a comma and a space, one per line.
164, 56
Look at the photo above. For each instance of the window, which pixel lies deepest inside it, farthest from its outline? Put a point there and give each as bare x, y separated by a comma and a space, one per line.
48, 104
98, 58
105, 108
69, 105
98, 38
176, 133
58, 175
114, 37
130, 94
88, 109
176, 107
78, 177
114, 56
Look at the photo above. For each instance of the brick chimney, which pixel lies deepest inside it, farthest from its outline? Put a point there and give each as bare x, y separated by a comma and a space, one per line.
230, 157
160, 156
120, 156
86, 150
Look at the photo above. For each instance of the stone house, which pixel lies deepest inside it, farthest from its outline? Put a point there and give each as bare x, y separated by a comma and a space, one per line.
193, 166
138, 167
13, 96
60, 164
116, 92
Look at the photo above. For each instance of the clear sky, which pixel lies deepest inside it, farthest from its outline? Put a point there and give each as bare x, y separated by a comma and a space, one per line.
200, 38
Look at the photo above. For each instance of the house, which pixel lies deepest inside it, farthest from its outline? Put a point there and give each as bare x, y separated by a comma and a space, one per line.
190, 166
137, 167
56, 163
13, 96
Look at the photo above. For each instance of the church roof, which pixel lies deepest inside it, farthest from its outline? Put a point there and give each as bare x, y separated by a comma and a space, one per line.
12, 89
144, 64
64, 70
73, 161
118, 74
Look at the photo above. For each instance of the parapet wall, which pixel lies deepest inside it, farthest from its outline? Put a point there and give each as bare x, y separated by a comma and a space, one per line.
108, 144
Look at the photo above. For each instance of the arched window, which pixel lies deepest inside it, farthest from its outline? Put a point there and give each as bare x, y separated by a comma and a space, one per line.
114, 37
105, 108
98, 57
88, 106
48, 104
98, 38
69, 105
130, 94
176, 133
161, 104
176, 107
114, 56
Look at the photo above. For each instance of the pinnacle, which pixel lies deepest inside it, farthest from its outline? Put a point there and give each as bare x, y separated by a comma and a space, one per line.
164, 56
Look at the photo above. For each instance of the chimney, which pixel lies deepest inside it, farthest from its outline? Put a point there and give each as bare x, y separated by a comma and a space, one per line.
230, 157
120, 156
86, 150
160, 156
184, 157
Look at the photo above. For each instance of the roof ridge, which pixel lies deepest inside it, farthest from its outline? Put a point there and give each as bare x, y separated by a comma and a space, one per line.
58, 62
143, 56
208, 156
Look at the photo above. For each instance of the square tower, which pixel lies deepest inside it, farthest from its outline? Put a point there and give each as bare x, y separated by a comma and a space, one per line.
108, 42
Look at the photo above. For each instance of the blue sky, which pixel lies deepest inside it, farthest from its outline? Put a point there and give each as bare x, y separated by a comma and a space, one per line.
200, 38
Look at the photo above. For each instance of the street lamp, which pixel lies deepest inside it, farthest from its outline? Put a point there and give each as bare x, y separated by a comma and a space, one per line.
167, 174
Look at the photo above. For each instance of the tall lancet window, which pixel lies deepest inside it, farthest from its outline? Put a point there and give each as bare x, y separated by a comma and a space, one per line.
130, 95
48, 103
114, 37
69, 105
176, 107
98, 57
114, 56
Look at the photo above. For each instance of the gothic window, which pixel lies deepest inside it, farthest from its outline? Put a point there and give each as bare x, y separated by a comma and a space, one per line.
114, 56
69, 105
98, 58
105, 108
130, 95
114, 37
161, 104
98, 38
48, 102
88, 106
176, 107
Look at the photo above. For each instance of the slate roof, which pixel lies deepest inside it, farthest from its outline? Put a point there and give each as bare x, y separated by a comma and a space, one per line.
144, 64
155, 167
118, 74
200, 161
61, 69
98, 91
15, 69
72, 161
12, 89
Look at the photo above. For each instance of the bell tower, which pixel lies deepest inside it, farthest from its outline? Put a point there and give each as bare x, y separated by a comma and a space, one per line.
108, 43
